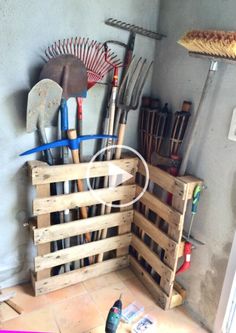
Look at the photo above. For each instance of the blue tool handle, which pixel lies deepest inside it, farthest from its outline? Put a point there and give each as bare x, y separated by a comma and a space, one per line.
64, 115
72, 144
196, 198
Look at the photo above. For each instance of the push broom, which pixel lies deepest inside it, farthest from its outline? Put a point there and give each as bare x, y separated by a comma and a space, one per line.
216, 46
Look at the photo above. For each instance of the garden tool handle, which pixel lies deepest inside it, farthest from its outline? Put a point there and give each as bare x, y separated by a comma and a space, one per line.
196, 198
75, 156
121, 135
64, 115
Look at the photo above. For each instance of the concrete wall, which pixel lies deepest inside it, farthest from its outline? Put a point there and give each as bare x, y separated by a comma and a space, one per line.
27, 28
177, 77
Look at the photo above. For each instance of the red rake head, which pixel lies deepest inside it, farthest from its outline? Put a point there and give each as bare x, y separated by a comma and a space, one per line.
92, 54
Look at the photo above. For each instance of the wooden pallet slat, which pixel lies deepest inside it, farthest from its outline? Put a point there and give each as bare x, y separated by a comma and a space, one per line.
79, 227
79, 275
81, 199
45, 174
166, 212
154, 261
81, 251
158, 236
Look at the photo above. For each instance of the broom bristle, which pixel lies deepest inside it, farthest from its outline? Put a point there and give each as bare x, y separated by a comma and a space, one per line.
210, 42
91, 53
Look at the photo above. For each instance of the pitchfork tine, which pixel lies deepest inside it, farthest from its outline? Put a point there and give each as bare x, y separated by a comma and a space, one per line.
135, 100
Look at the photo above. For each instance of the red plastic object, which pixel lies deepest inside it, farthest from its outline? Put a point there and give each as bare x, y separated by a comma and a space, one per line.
187, 258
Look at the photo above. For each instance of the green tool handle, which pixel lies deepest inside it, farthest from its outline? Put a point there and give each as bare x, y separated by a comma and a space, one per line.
196, 198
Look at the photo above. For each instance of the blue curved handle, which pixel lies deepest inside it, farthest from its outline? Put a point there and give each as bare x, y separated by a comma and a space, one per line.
64, 115
72, 144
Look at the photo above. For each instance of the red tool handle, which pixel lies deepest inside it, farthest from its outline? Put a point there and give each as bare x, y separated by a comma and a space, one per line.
187, 258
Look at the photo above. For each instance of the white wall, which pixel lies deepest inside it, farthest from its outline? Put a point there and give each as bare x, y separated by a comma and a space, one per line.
178, 76
27, 28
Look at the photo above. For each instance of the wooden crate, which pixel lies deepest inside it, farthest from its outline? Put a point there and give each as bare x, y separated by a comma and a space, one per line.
142, 255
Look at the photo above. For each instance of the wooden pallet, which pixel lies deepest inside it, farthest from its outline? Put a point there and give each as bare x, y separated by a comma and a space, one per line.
156, 241
165, 235
44, 233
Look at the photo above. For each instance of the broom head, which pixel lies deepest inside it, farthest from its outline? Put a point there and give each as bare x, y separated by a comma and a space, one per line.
210, 42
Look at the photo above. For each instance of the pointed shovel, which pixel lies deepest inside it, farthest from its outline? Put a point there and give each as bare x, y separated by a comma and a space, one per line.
42, 107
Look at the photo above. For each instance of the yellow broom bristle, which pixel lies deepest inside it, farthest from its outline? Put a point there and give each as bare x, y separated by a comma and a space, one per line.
210, 42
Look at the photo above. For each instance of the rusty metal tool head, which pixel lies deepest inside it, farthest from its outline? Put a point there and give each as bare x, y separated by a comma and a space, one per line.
69, 72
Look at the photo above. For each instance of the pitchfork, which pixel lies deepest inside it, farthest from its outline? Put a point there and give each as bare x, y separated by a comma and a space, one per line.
128, 99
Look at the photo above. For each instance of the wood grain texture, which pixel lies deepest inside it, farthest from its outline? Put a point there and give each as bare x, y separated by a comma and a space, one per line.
78, 227
81, 251
69, 201
44, 174
79, 275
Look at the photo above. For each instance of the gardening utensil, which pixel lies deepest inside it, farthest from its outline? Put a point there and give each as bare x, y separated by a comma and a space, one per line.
129, 94
42, 107
133, 30
71, 74
128, 99
91, 53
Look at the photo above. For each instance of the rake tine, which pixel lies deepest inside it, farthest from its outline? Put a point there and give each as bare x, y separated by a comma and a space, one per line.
74, 46
53, 51
56, 50
47, 54
93, 46
87, 48
71, 45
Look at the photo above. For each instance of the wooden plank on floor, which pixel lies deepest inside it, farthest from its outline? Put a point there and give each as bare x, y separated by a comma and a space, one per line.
155, 262
164, 211
44, 174
82, 199
163, 179
155, 233
81, 251
161, 298
79, 275
79, 227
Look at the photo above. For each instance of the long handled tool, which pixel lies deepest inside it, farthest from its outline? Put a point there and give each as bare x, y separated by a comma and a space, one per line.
91, 53
70, 73
190, 241
128, 99
42, 108
133, 31
97, 60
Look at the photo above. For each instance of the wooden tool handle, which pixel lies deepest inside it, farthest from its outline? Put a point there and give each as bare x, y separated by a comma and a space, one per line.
75, 156
120, 141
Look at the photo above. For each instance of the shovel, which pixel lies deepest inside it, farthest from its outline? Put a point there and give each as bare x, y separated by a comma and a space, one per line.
71, 74
42, 107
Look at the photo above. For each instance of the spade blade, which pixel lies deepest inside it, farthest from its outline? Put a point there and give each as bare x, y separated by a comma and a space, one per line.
42, 106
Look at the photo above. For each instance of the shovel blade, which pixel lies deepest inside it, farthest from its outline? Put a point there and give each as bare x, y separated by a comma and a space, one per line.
69, 72
42, 106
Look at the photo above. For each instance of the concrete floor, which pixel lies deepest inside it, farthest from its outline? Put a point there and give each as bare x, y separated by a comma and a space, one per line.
84, 307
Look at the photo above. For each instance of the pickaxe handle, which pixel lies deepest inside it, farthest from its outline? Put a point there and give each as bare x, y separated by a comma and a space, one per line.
75, 156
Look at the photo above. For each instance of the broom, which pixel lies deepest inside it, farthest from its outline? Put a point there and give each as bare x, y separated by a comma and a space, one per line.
216, 46
211, 42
